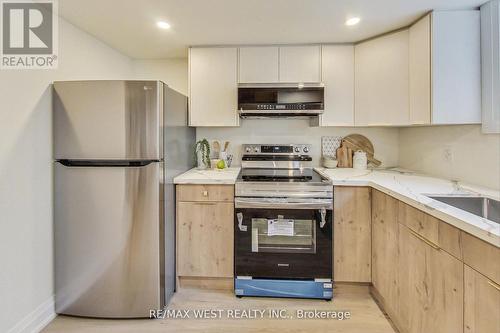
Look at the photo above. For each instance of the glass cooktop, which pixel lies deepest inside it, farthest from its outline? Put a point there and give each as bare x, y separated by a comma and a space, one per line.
279, 175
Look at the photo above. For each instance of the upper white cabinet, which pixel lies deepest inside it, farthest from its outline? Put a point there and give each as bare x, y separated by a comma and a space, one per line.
427, 74
213, 86
337, 71
420, 72
300, 64
456, 67
259, 64
490, 51
445, 68
382, 81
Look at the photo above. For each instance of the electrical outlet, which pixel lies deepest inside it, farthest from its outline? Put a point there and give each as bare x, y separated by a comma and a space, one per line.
448, 154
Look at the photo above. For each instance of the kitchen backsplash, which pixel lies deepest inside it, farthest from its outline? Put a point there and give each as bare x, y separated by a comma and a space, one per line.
385, 140
459, 152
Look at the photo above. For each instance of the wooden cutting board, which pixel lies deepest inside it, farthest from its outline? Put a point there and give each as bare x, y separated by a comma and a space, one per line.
344, 156
361, 142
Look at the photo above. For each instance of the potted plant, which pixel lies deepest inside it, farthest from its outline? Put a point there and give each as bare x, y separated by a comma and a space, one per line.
202, 154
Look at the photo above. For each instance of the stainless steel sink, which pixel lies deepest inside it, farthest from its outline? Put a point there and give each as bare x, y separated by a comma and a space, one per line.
480, 206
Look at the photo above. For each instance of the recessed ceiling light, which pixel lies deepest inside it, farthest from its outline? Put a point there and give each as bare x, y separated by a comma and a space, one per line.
352, 21
163, 25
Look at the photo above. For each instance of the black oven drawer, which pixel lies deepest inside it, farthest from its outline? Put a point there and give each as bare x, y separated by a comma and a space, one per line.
283, 243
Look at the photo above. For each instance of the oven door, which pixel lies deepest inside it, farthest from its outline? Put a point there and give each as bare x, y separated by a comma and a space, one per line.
283, 240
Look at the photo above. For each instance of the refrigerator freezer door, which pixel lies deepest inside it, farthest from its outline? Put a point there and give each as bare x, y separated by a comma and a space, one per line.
108, 120
109, 240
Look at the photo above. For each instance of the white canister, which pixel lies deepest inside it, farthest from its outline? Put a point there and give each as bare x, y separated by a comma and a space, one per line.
359, 161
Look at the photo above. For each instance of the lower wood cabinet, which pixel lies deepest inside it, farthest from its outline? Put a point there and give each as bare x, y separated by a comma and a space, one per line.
205, 234
385, 249
418, 272
352, 234
430, 286
440, 233
482, 256
481, 303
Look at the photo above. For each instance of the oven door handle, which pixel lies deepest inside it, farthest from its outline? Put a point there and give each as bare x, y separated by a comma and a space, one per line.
240, 222
323, 217
273, 203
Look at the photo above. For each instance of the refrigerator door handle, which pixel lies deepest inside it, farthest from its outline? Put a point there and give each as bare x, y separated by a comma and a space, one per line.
106, 163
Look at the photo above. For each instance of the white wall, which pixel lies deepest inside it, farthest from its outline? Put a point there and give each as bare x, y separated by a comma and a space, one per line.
174, 72
385, 140
475, 156
26, 245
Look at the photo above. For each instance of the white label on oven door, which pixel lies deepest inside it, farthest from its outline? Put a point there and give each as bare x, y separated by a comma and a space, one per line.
280, 227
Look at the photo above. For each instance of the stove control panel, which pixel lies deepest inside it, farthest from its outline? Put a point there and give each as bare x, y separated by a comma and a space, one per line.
283, 149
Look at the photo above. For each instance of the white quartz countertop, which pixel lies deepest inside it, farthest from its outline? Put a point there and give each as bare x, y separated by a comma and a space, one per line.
412, 188
208, 176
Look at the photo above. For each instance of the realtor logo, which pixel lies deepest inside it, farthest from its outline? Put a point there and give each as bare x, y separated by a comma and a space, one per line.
29, 34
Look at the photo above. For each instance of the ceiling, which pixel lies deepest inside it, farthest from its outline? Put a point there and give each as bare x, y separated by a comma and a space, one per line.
130, 25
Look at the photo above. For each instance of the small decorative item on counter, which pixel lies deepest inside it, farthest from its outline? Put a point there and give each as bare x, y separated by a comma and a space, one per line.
329, 162
221, 165
213, 163
216, 149
359, 142
229, 160
223, 156
344, 156
202, 154
359, 160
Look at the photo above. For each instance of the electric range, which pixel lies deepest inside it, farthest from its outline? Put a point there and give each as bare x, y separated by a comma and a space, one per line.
283, 224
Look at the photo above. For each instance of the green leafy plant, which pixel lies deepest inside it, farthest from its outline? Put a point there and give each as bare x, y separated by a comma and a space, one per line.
202, 147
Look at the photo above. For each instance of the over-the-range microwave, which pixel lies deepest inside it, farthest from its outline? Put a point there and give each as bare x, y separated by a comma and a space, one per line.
262, 101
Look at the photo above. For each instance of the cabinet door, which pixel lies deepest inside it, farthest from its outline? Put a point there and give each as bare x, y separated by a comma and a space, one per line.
205, 239
258, 64
430, 287
337, 71
456, 67
482, 256
352, 234
213, 86
406, 251
300, 64
490, 63
385, 248
382, 81
481, 303
420, 71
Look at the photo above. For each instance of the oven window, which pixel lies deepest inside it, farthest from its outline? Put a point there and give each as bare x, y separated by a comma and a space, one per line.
283, 235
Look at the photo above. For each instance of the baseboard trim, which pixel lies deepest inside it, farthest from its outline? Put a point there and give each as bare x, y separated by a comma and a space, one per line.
37, 319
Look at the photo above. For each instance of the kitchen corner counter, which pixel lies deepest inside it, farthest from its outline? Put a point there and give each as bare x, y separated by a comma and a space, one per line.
412, 188
209, 176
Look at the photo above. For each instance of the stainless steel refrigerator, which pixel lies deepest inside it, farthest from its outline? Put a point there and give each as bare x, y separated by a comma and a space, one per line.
117, 147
